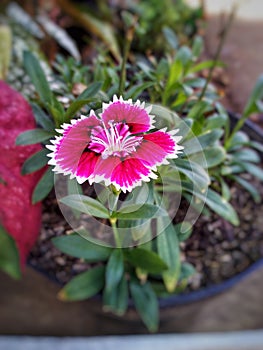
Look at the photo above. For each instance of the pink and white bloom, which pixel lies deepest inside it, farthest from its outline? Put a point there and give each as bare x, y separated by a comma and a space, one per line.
117, 147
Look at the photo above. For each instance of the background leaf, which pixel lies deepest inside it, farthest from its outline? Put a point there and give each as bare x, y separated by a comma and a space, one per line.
38, 77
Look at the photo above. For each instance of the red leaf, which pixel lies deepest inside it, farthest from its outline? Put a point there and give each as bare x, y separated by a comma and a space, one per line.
20, 218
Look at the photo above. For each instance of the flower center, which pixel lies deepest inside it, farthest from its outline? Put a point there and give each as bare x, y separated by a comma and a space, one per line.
116, 140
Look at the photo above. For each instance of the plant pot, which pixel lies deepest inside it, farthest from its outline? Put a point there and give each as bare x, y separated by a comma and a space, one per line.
203, 310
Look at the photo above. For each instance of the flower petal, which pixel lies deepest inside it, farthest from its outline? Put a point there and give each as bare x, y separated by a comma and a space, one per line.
156, 148
134, 115
86, 165
68, 149
124, 174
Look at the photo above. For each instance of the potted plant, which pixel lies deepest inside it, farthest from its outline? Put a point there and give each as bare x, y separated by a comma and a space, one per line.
147, 189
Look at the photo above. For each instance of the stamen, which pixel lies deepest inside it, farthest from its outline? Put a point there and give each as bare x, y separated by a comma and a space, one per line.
116, 140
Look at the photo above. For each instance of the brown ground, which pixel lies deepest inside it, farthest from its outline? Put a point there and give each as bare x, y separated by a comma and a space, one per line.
30, 306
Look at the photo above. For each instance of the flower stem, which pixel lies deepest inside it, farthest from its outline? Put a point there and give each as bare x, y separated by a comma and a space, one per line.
223, 35
116, 235
113, 220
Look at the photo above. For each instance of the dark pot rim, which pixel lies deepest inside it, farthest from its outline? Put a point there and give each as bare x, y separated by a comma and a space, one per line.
255, 133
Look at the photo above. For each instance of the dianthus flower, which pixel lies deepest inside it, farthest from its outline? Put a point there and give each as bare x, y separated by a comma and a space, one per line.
117, 147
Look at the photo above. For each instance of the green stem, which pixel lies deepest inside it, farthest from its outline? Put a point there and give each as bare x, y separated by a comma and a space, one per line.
113, 220
223, 36
116, 235
127, 46
237, 127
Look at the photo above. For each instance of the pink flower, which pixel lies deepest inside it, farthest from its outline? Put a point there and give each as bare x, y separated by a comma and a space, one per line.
117, 147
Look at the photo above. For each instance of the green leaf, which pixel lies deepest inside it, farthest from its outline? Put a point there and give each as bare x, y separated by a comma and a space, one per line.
114, 269
35, 162
74, 108
9, 256
33, 136
42, 119
139, 211
83, 286
249, 187
44, 186
135, 91
219, 205
86, 205
115, 296
197, 47
239, 139
79, 247
57, 111
141, 229
200, 143
146, 303
205, 65
187, 271
210, 157
145, 259
37, 76
183, 230
246, 155
175, 73
171, 37
216, 121
255, 97
91, 91
226, 193
116, 299
231, 169
258, 146
184, 54
74, 188
84, 98
193, 171
253, 169
168, 249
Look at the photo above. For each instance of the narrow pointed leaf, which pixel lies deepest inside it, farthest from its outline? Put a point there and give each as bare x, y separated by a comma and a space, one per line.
83, 286
44, 186
30, 137
85, 204
146, 260
139, 211
116, 299
77, 246
38, 77
35, 162
168, 249
146, 303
